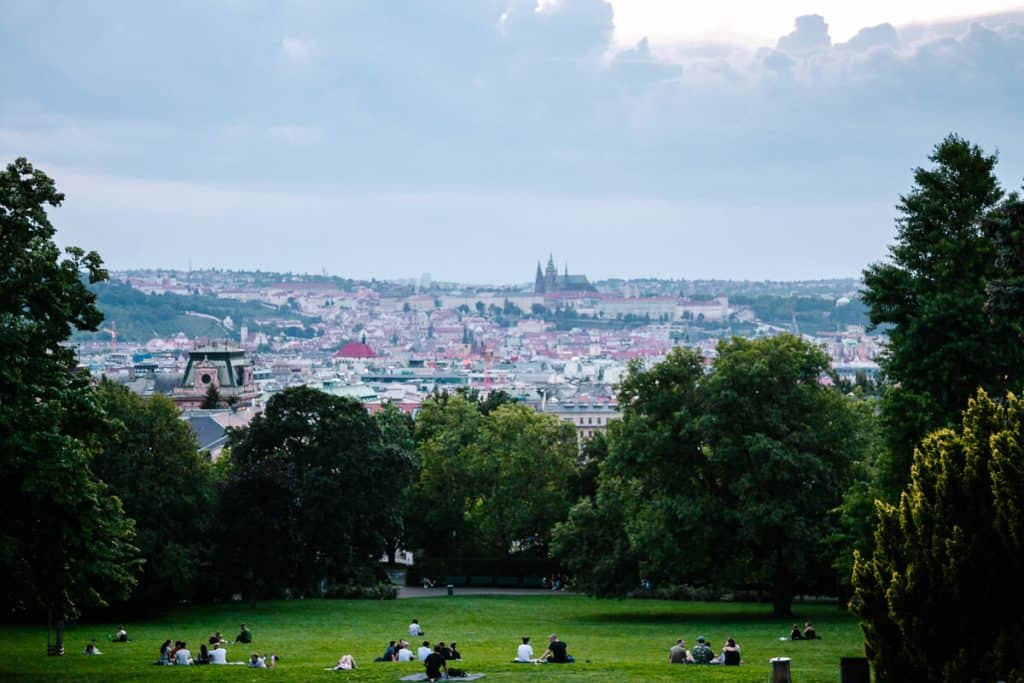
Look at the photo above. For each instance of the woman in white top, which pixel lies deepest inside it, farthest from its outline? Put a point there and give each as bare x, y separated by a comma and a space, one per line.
218, 655
524, 653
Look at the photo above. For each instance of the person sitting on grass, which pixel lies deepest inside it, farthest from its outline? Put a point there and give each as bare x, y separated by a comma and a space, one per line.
730, 653
455, 652
795, 634
556, 652
244, 635
678, 654
217, 639
218, 655
445, 651
702, 654
434, 663
345, 663
121, 636
404, 654
809, 632
389, 653
204, 655
91, 649
182, 656
414, 629
424, 651
524, 653
165, 654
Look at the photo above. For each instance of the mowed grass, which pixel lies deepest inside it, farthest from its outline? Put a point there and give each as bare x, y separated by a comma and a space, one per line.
612, 640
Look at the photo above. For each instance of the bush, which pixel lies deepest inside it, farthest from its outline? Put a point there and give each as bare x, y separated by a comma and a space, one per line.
351, 591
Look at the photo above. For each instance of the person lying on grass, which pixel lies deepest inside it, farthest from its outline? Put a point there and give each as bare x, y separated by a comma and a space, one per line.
345, 663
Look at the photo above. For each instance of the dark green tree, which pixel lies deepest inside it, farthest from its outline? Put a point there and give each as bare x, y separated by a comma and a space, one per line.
939, 598
151, 462
1005, 295
212, 398
309, 495
65, 542
446, 426
654, 488
931, 295
396, 432
782, 445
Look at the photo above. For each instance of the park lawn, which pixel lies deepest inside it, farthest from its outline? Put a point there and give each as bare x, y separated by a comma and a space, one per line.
612, 640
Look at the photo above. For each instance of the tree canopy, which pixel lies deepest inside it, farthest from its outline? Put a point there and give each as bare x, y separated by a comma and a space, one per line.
932, 293
65, 542
309, 496
939, 598
724, 478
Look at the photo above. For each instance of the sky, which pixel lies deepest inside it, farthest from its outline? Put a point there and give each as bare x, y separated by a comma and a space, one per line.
472, 138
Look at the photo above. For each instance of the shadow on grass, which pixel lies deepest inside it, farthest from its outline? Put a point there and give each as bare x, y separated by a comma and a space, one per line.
676, 617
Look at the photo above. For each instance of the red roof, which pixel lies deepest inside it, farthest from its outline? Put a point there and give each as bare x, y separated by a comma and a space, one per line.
355, 350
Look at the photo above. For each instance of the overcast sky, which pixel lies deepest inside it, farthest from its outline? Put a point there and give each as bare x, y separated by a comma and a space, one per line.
470, 138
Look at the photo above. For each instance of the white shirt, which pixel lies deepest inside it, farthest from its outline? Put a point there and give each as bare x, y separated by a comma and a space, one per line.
260, 663
524, 653
219, 656
423, 652
183, 657
405, 655
415, 630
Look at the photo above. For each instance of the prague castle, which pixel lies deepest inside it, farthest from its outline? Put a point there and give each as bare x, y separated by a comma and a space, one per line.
549, 281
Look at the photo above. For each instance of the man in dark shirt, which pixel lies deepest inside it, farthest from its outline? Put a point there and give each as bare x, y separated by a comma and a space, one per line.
556, 652
434, 663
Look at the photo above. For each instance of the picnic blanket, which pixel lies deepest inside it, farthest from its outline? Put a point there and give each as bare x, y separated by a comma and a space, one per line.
423, 677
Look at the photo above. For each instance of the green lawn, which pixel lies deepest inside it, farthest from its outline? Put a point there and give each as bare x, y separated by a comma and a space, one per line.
611, 640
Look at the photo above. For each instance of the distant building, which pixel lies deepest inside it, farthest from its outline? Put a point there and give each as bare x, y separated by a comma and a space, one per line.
226, 368
549, 281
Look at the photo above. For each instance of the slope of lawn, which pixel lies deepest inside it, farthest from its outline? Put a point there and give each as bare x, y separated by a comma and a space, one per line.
612, 640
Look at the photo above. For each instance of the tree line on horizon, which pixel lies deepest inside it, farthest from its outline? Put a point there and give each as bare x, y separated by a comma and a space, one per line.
765, 474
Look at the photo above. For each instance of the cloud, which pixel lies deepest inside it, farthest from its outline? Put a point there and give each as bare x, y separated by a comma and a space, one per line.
501, 97
810, 34
297, 51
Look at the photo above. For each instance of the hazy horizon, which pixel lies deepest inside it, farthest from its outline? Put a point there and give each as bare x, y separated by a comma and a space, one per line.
470, 138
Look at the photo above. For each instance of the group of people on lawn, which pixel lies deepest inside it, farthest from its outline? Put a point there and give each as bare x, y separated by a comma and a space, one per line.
435, 658
214, 651
703, 653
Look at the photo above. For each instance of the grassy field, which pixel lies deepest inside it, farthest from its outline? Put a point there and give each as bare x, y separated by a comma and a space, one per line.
611, 640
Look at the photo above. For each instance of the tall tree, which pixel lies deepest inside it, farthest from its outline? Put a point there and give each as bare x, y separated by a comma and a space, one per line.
65, 542
931, 295
309, 495
446, 426
1005, 226
150, 459
782, 444
939, 599
396, 432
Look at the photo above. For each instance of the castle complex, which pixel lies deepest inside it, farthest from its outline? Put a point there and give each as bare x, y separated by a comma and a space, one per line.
549, 281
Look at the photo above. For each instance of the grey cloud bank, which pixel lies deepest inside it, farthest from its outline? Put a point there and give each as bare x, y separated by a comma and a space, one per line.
469, 138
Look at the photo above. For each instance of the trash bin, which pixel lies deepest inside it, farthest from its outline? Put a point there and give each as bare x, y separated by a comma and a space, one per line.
854, 670
451, 590
780, 670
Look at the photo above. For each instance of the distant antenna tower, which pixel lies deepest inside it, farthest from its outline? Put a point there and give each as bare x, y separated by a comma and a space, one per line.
112, 331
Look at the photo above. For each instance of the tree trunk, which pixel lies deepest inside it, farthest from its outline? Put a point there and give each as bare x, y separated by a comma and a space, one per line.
782, 599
